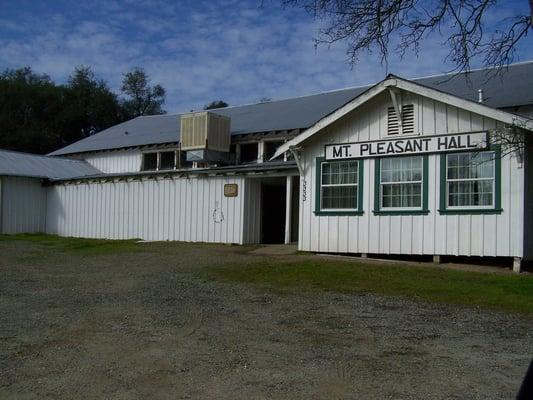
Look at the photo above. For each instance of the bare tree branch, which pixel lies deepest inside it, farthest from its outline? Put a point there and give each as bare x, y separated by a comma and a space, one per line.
400, 26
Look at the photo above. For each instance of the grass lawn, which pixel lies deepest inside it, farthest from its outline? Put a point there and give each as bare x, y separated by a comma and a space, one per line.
90, 246
440, 285
497, 291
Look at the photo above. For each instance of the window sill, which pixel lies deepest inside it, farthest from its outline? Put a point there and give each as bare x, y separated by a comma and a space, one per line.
471, 211
338, 213
401, 212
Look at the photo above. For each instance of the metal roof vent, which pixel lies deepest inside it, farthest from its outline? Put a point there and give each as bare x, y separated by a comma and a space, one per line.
480, 95
407, 127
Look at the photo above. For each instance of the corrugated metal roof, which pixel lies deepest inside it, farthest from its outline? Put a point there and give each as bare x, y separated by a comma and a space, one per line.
511, 88
31, 165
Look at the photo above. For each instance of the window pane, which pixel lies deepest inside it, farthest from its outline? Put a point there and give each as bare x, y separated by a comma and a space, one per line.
470, 193
339, 185
401, 169
339, 197
270, 149
149, 162
407, 171
399, 195
470, 165
339, 173
470, 179
168, 160
249, 152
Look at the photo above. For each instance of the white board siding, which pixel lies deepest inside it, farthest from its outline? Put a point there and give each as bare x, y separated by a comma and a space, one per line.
114, 161
469, 235
528, 201
22, 205
192, 210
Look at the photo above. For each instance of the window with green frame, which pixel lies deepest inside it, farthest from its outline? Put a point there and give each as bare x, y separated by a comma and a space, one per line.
470, 182
401, 185
339, 187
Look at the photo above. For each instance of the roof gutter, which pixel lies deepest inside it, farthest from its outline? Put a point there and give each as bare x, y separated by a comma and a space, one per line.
285, 166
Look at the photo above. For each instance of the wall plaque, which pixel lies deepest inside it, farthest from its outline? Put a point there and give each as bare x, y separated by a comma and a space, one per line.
231, 190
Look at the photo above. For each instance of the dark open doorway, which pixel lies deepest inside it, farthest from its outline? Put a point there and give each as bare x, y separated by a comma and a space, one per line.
295, 208
273, 197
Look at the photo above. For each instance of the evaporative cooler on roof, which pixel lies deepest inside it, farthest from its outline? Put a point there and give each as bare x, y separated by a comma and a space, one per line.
205, 130
206, 137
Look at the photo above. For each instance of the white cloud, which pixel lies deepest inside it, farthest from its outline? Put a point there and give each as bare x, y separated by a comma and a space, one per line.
199, 51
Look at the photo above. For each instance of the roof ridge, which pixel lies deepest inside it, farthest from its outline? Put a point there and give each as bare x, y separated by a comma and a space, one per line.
473, 70
265, 102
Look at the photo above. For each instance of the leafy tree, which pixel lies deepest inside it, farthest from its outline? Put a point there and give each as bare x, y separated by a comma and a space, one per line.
38, 116
141, 97
90, 106
30, 104
402, 25
216, 104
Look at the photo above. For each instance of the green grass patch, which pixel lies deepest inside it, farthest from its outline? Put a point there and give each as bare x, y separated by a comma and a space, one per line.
91, 246
496, 291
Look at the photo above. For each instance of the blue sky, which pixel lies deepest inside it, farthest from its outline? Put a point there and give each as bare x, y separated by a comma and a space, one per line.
239, 51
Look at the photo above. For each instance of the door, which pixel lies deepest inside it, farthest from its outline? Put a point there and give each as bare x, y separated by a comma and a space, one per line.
273, 197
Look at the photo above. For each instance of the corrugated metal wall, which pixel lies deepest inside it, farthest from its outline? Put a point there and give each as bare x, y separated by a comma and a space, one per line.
479, 235
252, 212
182, 209
22, 205
114, 161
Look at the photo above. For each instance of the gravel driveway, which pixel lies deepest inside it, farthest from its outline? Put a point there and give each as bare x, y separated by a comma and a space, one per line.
151, 325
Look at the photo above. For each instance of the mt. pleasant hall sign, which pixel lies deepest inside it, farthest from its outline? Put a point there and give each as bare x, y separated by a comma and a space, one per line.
412, 145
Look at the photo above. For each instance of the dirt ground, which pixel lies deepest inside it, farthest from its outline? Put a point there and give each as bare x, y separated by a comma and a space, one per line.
151, 325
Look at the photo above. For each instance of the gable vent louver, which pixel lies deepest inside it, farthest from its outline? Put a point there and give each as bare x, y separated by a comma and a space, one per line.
408, 121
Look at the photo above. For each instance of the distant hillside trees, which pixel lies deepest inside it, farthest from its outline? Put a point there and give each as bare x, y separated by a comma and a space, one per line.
39, 116
216, 104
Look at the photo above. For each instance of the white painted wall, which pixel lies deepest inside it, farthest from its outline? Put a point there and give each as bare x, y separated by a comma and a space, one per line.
22, 205
470, 235
528, 200
109, 162
190, 209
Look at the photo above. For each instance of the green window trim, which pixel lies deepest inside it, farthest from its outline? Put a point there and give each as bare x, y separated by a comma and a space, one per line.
377, 190
318, 190
473, 211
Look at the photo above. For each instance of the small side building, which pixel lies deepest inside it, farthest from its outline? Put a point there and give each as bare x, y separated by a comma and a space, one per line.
23, 188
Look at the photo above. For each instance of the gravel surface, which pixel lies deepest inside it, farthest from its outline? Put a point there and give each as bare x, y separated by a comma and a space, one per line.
151, 325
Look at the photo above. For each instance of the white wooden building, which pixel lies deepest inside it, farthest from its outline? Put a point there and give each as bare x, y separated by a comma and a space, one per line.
402, 167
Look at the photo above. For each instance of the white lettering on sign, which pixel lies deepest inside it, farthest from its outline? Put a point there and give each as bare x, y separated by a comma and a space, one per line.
426, 144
